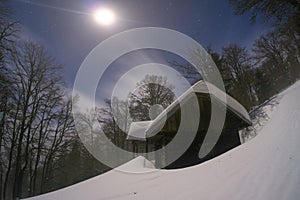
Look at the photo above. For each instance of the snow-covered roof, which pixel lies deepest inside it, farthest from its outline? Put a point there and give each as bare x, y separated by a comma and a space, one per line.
230, 102
139, 130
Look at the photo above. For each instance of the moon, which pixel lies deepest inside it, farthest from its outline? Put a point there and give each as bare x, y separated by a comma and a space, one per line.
104, 16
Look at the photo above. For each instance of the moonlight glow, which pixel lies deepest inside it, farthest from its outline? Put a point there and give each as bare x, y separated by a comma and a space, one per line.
104, 17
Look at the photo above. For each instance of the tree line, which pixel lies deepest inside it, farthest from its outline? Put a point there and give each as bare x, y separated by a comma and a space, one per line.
254, 74
274, 59
40, 148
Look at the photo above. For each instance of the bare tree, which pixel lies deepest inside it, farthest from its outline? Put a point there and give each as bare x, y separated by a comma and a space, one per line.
151, 90
37, 124
286, 12
56, 145
8, 33
115, 121
239, 61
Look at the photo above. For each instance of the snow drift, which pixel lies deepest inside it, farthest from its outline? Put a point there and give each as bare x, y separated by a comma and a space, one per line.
266, 167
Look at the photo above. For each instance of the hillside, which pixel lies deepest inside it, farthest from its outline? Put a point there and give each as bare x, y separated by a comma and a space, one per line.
265, 167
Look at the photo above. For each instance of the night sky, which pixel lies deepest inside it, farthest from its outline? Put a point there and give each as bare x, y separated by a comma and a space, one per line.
68, 31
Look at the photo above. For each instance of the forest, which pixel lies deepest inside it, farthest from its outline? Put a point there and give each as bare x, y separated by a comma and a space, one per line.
39, 143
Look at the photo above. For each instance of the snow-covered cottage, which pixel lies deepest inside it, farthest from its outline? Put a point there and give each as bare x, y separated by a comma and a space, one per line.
148, 136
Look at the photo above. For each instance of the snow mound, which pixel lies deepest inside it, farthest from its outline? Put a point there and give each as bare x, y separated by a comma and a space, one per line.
260, 116
266, 167
137, 165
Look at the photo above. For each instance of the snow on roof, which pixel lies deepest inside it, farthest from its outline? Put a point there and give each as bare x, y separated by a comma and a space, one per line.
230, 102
139, 130
201, 87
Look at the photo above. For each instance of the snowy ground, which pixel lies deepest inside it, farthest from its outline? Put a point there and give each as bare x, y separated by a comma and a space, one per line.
260, 117
266, 167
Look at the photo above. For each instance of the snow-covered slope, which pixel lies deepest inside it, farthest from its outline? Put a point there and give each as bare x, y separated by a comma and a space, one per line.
266, 167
